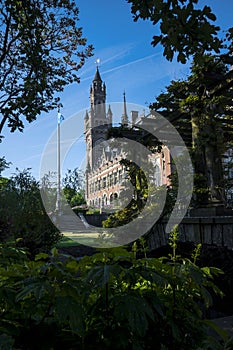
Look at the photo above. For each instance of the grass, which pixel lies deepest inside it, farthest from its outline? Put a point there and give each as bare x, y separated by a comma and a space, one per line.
67, 242
89, 239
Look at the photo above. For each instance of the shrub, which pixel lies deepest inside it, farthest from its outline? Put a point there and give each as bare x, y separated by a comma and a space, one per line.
23, 215
109, 300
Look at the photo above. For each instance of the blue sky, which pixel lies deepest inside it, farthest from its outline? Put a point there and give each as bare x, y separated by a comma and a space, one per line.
128, 62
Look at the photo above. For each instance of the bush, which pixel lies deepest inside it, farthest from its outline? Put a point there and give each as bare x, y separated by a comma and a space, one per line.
110, 300
23, 215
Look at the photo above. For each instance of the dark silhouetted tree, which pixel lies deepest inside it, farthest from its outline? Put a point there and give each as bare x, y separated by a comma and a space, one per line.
41, 51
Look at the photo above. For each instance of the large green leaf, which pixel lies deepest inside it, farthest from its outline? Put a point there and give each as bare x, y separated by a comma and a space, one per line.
66, 308
6, 342
135, 310
101, 275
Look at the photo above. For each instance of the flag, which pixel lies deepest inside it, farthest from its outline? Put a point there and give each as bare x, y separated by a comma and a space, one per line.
60, 118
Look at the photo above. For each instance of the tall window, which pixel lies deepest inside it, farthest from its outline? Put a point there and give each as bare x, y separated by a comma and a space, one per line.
115, 178
110, 180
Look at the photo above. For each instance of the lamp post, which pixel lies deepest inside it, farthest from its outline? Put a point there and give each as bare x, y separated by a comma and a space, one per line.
58, 201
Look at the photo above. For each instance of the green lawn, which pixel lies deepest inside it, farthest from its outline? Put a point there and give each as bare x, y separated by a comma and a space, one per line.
67, 242
86, 239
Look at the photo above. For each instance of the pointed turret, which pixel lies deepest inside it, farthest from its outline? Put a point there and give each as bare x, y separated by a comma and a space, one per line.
109, 111
97, 75
124, 117
86, 121
109, 115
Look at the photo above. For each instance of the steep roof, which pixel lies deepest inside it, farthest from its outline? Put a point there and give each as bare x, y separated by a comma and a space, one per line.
97, 75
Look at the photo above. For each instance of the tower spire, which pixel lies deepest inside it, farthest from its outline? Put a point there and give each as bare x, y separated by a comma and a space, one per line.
97, 75
124, 117
98, 96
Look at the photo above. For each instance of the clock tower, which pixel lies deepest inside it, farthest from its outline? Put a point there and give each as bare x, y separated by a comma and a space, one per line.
97, 122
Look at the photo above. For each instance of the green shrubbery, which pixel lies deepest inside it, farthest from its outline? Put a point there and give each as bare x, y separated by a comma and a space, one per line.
73, 184
22, 215
111, 300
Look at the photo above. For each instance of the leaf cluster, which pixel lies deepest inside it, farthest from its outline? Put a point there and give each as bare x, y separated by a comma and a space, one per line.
184, 30
200, 108
108, 300
41, 50
73, 187
22, 214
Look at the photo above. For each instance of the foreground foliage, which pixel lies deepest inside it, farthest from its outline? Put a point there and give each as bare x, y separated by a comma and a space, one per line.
109, 300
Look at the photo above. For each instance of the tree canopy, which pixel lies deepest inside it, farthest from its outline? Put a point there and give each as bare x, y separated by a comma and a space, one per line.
73, 190
41, 51
204, 121
201, 106
185, 29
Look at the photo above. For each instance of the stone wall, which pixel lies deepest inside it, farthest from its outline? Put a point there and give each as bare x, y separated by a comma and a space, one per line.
95, 219
216, 231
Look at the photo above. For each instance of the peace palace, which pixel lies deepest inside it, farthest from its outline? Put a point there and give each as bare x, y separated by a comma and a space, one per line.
106, 178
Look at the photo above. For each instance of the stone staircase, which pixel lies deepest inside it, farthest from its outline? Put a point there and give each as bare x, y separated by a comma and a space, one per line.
73, 223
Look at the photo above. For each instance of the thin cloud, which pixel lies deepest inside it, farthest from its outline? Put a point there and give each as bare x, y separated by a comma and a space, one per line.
124, 65
130, 63
111, 54
35, 156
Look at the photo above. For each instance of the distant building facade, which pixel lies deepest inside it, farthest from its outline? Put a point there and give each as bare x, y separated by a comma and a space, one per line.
105, 176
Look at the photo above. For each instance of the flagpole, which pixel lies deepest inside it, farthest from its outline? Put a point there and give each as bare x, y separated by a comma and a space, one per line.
58, 202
